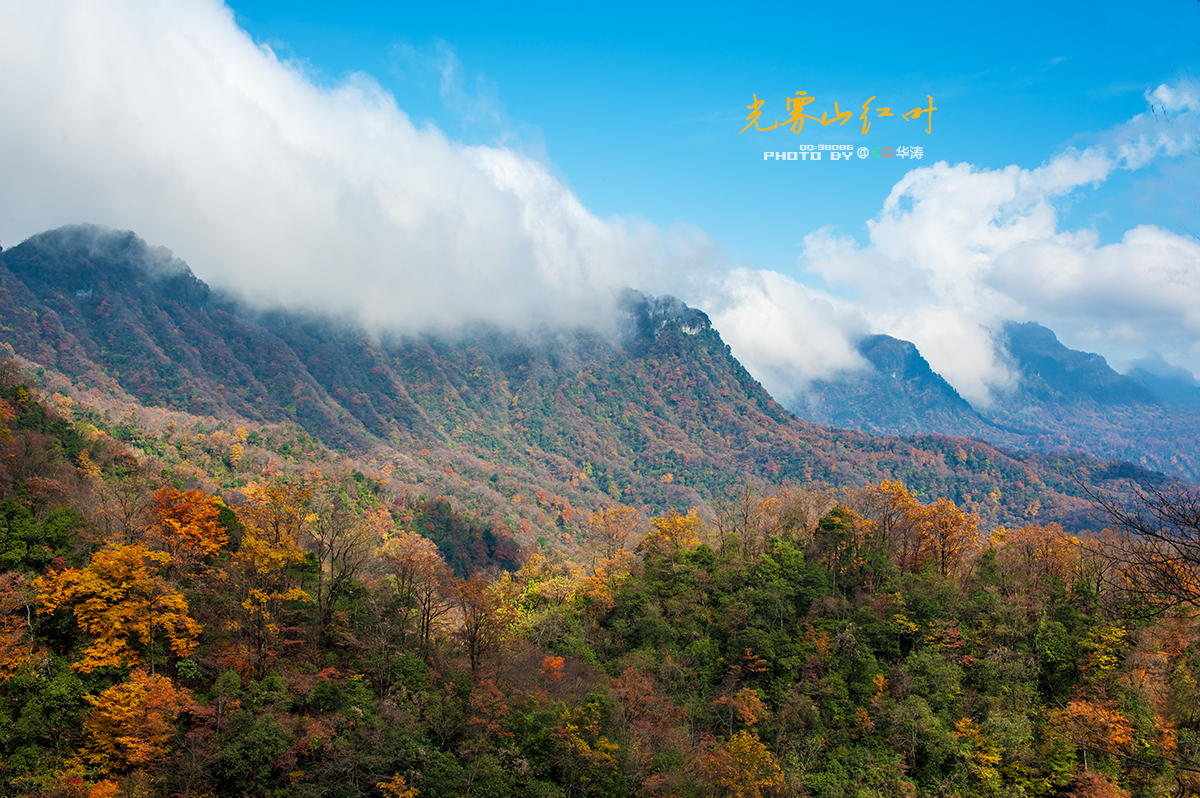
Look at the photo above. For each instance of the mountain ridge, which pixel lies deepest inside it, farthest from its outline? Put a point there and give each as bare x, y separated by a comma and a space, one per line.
1065, 400
661, 415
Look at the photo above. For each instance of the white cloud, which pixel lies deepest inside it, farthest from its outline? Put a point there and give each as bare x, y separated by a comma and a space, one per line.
1172, 99
166, 118
163, 117
785, 333
957, 249
1137, 298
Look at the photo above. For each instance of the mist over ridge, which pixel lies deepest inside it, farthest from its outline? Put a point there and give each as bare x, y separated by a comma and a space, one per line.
291, 193
658, 412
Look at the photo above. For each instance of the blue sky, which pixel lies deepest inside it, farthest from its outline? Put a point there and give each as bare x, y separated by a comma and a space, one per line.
639, 105
421, 165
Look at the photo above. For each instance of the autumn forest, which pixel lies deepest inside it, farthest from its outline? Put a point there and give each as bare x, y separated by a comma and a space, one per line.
312, 632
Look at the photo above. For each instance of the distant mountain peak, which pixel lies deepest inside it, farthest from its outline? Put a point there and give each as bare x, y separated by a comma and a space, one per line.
85, 259
66, 244
647, 318
1050, 371
898, 358
1065, 400
900, 393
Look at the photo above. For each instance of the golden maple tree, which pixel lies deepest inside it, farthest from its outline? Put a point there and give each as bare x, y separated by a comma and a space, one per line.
672, 532
743, 768
946, 534
122, 600
131, 723
398, 787
264, 566
1038, 552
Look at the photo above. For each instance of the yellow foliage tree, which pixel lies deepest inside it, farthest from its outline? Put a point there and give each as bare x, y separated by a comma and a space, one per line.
590, 754
131, 723
264, 565
397, 788
1103, 645
981, 753
121, 599
672, 532
886, 518
609, 530
743, 768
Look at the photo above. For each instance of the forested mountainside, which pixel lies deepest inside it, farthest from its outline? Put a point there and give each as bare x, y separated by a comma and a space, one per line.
898, 394
303, 635
531, 427
1065, 400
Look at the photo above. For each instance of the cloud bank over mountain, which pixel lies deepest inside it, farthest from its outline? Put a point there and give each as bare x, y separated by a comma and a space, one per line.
957, 249
166, 118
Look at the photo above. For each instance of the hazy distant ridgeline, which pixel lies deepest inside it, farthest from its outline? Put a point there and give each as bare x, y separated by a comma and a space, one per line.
1066, 400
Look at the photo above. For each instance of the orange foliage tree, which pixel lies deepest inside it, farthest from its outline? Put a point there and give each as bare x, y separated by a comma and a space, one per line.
914, 536
421, 581
131, 723
186, 525
1038, 552
17, 642
753, 518
609, 530
1139, 701
480, 625
1099, 725
122, 599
